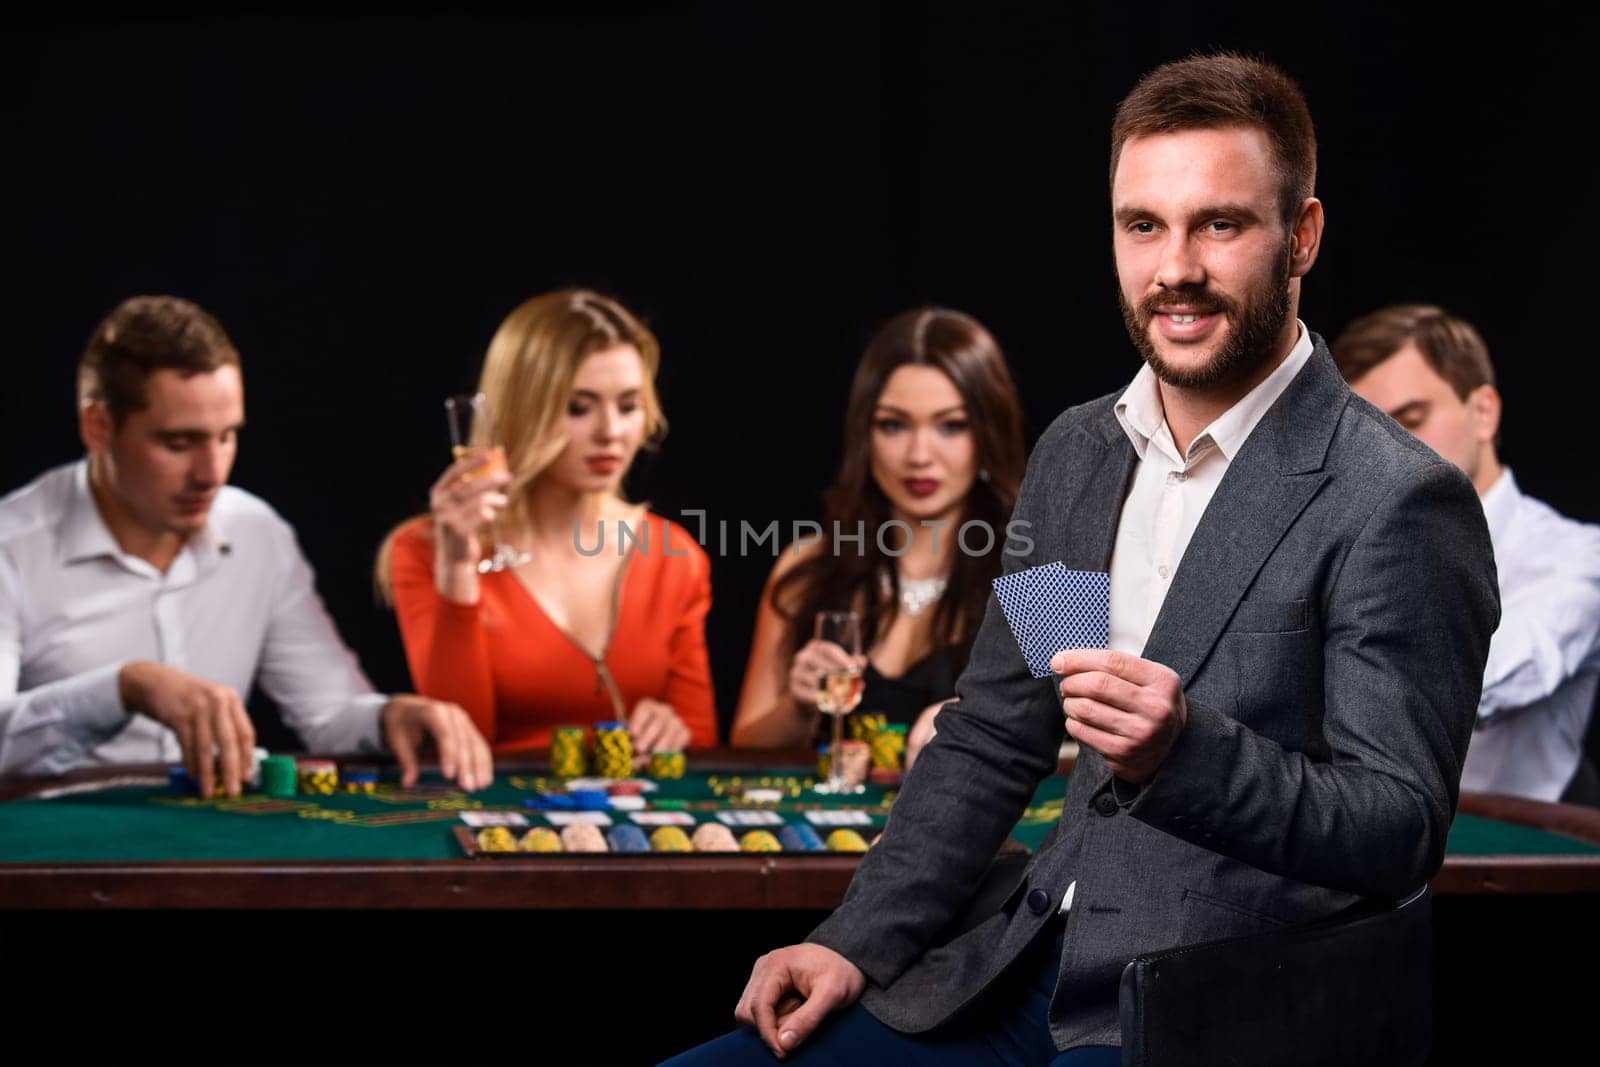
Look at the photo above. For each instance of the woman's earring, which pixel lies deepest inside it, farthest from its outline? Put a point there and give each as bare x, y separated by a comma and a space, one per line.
983, 474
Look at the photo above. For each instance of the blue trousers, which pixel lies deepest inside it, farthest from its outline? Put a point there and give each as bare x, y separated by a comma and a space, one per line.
1008, 1027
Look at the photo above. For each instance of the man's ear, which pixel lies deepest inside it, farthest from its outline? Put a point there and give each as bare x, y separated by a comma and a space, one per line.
94, 426
1484, 403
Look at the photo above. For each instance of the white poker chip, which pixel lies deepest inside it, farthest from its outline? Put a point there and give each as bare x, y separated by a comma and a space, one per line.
627, 803
762, 796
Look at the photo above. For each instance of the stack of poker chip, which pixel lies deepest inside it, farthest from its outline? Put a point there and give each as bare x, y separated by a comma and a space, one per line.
360, 778
670, 839
566, 752
866, 726
318, 776
824, 760
540, 839
278, 777
799, 837
613, 750
496, 839
759, 841
666, 764
889, 747
846, 840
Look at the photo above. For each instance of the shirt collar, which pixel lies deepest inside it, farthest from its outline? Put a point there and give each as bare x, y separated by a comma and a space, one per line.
1500, 502
1143, 418
83, 533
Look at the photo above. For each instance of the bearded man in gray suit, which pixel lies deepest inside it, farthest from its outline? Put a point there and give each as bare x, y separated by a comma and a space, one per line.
1301, 603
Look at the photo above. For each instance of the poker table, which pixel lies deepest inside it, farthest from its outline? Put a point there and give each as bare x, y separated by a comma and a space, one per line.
107, 839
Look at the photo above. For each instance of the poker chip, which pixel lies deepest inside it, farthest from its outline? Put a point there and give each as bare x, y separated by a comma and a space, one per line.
589, 799
179, 782
278, 777
671, 804
320, 777
888, 746
613, 750
625, 837
628, 803
713, 837
550, 802
800, 837
540, 839
759, 841
359, 778
567, 757
670, 839
627, 787
666, 765
846, 840
762, 796
583, 837
496, 839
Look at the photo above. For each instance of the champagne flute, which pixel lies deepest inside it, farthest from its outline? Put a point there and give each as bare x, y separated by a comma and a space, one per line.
839, 691
472, 432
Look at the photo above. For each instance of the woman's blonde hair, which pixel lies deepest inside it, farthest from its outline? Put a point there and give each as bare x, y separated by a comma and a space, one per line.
527, 379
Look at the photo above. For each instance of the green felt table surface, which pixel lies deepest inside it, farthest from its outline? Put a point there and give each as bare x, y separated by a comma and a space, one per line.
146, 823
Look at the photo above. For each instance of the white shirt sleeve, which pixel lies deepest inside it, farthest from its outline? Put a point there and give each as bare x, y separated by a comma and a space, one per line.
50, 728
1549, 631
309, 672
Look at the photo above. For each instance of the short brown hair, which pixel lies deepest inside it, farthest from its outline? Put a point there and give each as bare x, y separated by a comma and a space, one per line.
142, 335
1450, 345
1220, 90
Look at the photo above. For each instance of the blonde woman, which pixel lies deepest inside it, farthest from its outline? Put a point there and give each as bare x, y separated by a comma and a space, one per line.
606, 617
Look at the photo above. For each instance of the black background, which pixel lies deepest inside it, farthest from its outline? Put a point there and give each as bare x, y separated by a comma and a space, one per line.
361, 199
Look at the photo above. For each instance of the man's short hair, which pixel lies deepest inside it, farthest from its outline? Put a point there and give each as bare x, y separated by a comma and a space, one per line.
1222, 90
1450, 345
142, 335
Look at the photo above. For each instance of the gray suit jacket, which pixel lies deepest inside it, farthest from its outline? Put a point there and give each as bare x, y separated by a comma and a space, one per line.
1329, 621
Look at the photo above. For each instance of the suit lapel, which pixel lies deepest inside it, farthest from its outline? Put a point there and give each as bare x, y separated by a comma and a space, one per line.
1267, 485
1090, 521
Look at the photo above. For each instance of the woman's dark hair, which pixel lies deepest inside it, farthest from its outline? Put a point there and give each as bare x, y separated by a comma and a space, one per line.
959, 346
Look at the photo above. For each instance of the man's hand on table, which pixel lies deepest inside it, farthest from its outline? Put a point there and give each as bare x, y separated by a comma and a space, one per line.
408, 721
209, 719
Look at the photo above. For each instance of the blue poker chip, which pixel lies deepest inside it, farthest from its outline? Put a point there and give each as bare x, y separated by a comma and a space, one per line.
178, 781
550, 802
589, 799
627, 837
800, 837
610, 726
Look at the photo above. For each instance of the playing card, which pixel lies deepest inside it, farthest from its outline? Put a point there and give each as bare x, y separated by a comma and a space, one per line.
1070, 609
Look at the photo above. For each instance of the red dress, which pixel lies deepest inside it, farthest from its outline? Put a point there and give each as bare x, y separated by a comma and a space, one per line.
518, 675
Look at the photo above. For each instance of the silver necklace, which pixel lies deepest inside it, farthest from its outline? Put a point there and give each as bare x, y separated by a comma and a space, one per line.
917, 593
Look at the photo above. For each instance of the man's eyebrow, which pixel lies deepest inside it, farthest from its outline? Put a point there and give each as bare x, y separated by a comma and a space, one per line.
1134, 213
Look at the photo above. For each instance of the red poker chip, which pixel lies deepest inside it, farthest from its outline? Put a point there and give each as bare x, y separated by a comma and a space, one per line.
628, 787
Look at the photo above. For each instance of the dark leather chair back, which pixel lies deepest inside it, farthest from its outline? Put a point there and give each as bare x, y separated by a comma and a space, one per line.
1353, 989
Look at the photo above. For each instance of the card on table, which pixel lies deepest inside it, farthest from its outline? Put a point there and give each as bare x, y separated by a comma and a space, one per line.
1050, 608
750, 818
480, 819
662, 818
567, 818
840, 817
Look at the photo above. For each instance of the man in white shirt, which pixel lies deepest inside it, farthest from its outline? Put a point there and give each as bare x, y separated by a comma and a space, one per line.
1430, 370
140, 595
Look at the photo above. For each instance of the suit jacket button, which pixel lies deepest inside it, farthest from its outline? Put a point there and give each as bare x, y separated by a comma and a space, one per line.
1038, 901
1105, 804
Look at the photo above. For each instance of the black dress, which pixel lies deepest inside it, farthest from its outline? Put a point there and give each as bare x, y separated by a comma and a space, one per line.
902, 698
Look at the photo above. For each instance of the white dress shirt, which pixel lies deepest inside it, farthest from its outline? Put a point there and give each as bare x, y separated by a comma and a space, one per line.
1544, 659
1170, 491
236, 605
1169, 495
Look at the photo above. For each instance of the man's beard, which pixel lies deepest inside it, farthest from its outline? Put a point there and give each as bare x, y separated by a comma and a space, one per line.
1255, 326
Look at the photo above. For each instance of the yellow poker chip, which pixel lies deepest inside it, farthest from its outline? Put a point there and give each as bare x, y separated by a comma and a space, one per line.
670, 839
759, 841
540, 839
845, 840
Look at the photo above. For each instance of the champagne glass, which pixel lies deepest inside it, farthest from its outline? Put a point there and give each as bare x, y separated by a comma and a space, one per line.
472, 433
839, 691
